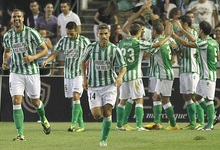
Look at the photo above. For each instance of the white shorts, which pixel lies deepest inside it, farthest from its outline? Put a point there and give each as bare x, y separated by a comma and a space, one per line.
152, 84
132, 89
73, 85
19, 83
164, 87
206, 89
100, 96
188, 83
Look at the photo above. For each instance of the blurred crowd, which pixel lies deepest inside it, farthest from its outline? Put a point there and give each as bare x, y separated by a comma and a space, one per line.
115, 13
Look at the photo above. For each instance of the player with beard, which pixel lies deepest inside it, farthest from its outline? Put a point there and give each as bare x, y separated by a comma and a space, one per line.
20, 44
102, 80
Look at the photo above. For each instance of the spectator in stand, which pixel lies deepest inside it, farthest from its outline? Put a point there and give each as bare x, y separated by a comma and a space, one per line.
32, 19
45, 71
174, 16
66, 16
195, 26
7, 15
2, 21
204, 10
115, 35
3, 29
125, 9
104, 15
48, 22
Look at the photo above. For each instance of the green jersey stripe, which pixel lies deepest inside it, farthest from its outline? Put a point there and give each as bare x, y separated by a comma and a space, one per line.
162, 57
21, 44
208, 49
133, 50
101, 64
73, 50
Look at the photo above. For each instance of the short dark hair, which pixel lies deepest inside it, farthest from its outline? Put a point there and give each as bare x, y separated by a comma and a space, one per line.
189, 12
186, 19
173, 12
16, 10
103, 26
156, 21
71, 25
134, 29
33, 1
65, 1
139, 22
159, 28
205, 27
48, 4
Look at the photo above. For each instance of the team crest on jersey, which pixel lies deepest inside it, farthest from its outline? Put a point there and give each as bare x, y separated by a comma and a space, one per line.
207, 83
44, 97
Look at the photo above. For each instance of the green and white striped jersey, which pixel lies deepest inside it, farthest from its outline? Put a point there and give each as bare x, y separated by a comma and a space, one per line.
189, 63
153, 68
21, 44
101, 64
208, 50
73, 50
133, 50
163, 59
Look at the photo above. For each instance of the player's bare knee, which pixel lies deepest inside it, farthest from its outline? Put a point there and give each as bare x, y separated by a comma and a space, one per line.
35, 102
123, 102
76, 96
17, 100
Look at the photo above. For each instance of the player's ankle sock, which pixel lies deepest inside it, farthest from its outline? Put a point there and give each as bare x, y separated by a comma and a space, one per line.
200, 113
120, 113
106, 126
170, 114
139, 112
41, 112
75, 111
191, 111
18, 117
80, 118
157, 109
210, 113
128, 108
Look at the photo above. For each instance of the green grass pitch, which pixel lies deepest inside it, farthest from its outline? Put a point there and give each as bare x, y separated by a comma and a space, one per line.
60, 139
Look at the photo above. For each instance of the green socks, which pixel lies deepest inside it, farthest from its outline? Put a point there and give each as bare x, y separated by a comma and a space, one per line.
120, 113
139, 113
157, 109
41, 112
191, 111
202, 103
18, 117
170, 114
106, 126
210, 113
128, 108
80, 118
76, 109
200, 113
